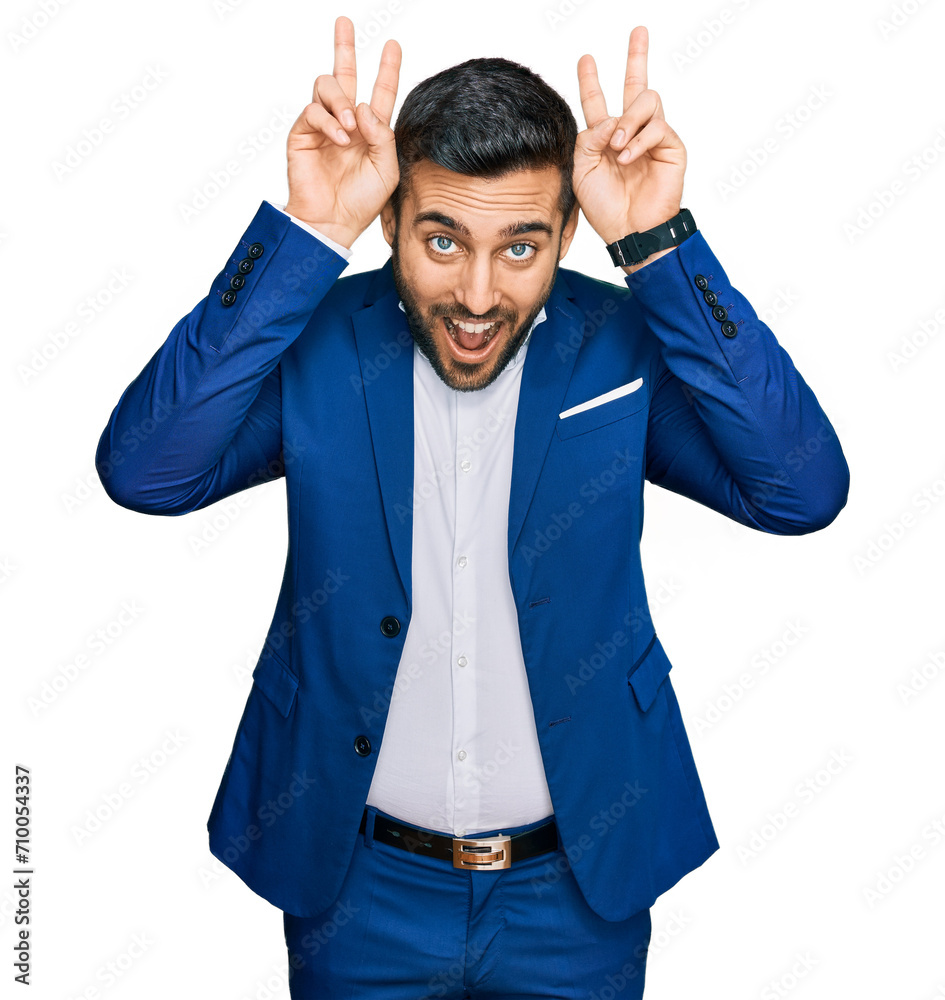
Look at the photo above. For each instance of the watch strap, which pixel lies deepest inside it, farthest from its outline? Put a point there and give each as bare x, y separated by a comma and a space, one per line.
637, 247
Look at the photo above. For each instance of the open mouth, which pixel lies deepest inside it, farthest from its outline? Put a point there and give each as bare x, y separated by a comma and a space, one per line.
472, 341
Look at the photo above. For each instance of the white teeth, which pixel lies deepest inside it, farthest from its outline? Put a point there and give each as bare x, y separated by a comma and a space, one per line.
473, 327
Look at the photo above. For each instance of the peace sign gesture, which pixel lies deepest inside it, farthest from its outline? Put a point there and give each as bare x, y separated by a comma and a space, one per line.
342, 159
628, 171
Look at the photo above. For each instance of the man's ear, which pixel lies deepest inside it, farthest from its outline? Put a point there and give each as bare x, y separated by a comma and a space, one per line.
567, 233
389, 222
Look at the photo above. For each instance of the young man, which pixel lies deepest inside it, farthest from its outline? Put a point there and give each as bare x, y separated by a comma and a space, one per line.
462, 770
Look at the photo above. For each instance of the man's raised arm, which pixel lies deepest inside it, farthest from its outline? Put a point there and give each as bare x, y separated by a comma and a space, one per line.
203, 418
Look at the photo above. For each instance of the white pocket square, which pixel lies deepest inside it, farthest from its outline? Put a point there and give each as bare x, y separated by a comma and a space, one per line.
621, 390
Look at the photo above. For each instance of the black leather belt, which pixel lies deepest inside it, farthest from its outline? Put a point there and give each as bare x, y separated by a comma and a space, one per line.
473, 853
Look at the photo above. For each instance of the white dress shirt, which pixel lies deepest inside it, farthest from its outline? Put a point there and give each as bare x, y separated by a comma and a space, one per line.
460, 750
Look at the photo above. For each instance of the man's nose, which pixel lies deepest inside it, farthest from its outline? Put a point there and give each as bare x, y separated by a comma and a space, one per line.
477, 288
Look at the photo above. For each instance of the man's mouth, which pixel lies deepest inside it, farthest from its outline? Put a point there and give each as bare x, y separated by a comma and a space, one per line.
473, 339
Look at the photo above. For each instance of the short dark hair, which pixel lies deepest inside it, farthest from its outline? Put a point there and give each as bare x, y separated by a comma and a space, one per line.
486, 118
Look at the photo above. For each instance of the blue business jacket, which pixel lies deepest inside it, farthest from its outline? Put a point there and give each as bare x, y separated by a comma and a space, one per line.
296, 373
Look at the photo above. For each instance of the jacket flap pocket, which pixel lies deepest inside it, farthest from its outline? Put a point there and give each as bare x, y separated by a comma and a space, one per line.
646, 675
275, 681
603, 413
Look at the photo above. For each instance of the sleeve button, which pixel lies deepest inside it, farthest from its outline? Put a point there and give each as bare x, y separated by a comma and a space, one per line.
255, 251
719, 312
245, 265
729, 329
701, 282
228, 297
710, 297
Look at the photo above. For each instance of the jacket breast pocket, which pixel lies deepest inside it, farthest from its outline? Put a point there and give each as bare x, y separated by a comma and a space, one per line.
275, 680
646, 675
603, 414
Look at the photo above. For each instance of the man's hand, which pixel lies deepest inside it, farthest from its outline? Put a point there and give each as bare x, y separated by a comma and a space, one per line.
628, 171
342, 160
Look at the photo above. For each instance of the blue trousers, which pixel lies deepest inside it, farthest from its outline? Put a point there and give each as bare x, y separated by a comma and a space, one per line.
407, 927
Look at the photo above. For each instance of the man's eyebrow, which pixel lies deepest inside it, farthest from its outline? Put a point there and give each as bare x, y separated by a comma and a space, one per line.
444, 220
520, 228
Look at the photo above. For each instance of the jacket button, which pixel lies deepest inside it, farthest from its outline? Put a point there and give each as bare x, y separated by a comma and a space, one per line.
237, 281
245, 265
710, 297
362, 746
729, 328
228, 297
255, 251
720, 313
390, 626
701, 283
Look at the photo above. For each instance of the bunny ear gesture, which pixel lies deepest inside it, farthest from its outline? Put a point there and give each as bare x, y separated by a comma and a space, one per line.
628, 170
342, 162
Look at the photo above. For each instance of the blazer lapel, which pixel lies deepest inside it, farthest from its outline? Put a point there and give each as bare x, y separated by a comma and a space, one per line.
385, 354
549, 361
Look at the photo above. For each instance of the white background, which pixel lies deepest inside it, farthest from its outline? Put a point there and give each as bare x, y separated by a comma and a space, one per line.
861, 601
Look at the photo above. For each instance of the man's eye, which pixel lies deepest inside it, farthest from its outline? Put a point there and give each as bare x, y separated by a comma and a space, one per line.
521, 251
442, 244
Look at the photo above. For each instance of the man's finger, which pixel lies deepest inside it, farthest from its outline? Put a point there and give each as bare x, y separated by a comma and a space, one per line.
345, 70
635, 80
329, 94
385, 87
592, 97
645, 107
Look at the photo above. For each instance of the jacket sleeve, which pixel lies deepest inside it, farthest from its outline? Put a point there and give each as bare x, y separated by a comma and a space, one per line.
732, 423
203, 419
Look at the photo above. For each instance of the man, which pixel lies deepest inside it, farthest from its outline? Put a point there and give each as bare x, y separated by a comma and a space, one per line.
462, 770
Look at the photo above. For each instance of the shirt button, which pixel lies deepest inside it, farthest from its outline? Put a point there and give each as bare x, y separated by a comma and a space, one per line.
461, 755
465, 465
462, 661
461, 562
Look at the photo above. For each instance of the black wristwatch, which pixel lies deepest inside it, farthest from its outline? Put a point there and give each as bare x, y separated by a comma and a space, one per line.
637, 247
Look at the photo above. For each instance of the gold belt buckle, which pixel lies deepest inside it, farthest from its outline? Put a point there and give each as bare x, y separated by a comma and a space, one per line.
482, 853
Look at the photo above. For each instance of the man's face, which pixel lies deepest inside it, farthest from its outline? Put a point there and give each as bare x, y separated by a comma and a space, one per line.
474, 261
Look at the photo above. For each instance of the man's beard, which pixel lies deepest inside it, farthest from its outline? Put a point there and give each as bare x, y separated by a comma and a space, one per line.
460, 375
